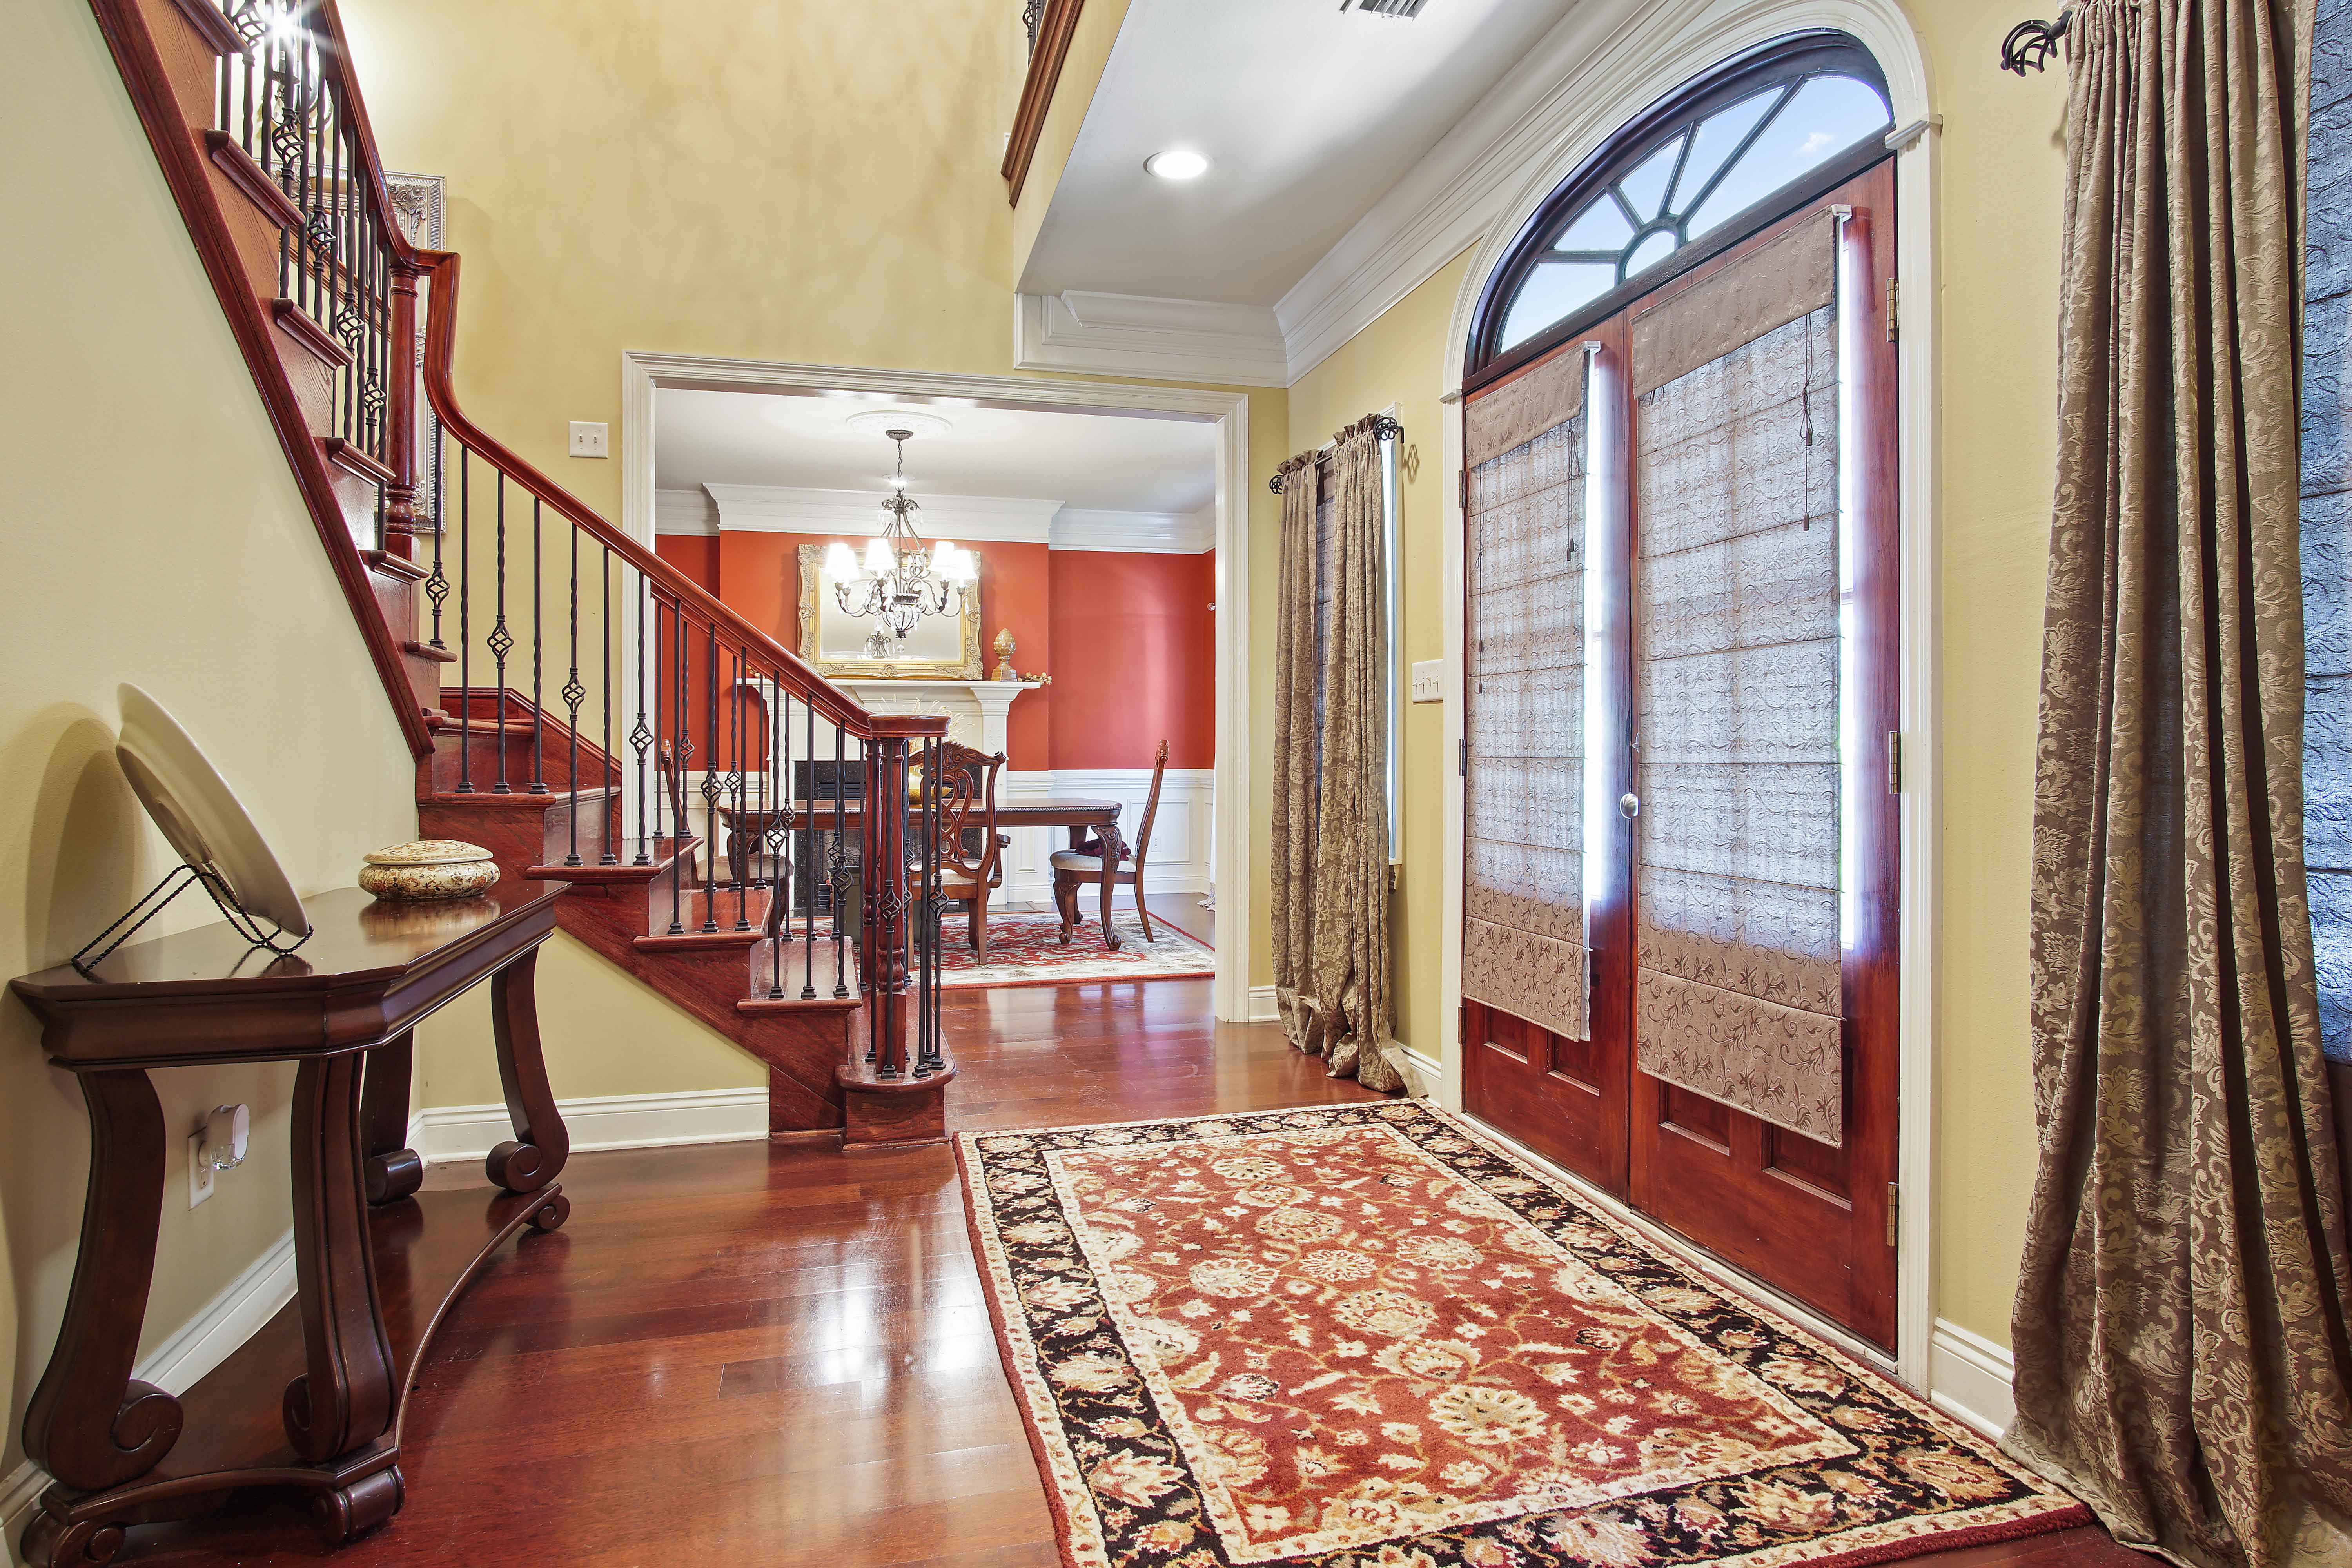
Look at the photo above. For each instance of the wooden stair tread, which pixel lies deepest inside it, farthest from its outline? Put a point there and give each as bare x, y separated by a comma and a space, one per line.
796, 977
517, 797
661, 854
718, 907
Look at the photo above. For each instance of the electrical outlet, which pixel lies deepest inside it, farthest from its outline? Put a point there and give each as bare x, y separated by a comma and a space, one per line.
1428, 680
200, 1170
590, 440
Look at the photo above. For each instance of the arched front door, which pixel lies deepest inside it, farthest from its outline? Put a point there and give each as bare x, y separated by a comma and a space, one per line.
1681, 838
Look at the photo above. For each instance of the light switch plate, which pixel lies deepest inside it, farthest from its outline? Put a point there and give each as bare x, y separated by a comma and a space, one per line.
200, 1171
1428, 680
591, 440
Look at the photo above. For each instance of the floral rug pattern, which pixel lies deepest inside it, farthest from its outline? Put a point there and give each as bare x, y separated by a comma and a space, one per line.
1025, 949
1359, 1336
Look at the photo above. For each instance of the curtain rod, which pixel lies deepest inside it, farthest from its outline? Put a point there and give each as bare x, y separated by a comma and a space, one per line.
1384, 428
2029, 45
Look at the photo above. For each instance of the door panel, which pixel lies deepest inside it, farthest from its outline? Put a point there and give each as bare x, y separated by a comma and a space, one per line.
1564, 1098
1809, 1215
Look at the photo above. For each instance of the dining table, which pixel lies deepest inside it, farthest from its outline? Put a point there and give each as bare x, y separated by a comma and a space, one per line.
745, 826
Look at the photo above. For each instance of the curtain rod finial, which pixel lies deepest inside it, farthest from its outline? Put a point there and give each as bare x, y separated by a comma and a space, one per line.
2029, 45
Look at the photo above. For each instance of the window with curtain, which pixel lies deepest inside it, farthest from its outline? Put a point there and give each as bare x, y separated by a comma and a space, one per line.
2328, 529
1326, 573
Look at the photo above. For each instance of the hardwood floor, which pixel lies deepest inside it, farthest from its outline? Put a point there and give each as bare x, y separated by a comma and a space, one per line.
780, 1354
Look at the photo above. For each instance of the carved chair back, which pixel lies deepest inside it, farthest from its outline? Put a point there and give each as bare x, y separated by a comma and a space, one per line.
1150, 809
968, 845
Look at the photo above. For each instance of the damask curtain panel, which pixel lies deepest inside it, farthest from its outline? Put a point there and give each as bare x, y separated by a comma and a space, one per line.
2180, 1318
1330, 788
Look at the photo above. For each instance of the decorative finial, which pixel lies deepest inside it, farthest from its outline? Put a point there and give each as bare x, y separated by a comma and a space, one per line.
1003, 646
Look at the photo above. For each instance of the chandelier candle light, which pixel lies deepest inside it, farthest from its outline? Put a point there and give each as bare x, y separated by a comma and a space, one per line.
899, 584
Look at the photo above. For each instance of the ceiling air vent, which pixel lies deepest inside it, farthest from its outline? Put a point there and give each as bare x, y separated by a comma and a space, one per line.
1401, 10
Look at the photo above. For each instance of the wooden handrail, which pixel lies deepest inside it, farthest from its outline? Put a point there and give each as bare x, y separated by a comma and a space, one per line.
1053, 46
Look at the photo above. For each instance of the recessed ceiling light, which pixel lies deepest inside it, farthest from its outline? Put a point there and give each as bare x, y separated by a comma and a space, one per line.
1177, 163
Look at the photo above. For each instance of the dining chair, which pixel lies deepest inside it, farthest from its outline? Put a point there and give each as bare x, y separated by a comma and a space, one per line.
1074, 869
971, 851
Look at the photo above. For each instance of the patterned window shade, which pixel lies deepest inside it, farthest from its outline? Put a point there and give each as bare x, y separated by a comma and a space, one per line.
1736, 682
1524, 945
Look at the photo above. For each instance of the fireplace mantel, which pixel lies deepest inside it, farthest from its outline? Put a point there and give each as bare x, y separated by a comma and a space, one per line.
975, 709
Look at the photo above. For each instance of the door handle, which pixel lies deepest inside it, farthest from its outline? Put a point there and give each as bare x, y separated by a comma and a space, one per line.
1629, 806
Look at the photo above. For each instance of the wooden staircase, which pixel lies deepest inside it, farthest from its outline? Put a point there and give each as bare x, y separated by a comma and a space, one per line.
554, 762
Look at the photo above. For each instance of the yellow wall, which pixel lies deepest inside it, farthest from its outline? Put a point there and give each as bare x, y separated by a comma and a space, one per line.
1997, 225
150, 532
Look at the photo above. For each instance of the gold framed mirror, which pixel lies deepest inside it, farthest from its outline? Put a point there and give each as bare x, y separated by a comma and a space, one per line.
941, 648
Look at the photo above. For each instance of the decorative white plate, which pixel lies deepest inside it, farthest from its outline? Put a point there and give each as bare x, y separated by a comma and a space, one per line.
198, 811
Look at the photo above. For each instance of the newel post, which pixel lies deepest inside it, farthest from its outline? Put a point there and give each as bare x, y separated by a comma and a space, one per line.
400, 416
885, 902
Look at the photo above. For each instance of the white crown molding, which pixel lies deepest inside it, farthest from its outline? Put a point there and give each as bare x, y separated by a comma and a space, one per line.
1148, 532
785, 509
1134, 334
1552, 109
685, 512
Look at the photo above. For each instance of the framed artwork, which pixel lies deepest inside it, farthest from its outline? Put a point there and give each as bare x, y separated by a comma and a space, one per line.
940, 648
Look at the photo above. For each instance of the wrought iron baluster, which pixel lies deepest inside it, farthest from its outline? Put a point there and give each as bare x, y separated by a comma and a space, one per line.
777, 837
735, 798
574, 693
710, 785
537, 661
500, 641
436, 586
927, 930
606, 833
465, 620
639, 736
677, 769
829, 875
838, 875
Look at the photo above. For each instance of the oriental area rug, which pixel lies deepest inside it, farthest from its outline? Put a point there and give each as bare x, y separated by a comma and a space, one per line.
1359, 1336
1025, 949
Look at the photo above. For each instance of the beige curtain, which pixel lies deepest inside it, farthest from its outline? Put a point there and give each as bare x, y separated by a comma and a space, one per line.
1330, 747
2181, 1322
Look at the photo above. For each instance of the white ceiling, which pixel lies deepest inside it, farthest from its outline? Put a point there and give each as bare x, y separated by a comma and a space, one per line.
1307, 114
1091, 462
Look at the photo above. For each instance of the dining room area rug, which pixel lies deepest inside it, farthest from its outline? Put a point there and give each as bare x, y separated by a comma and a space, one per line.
1363, 1335
1025, 948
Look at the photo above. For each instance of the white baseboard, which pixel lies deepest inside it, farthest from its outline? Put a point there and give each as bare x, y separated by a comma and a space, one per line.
1971, 1379
193, 1349
1262, 1008
1424, 1077
443, 1133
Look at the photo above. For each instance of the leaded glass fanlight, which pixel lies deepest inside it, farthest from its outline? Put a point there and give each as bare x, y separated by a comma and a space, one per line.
1692, 174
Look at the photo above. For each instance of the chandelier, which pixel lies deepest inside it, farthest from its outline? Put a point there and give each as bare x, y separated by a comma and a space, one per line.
900, 581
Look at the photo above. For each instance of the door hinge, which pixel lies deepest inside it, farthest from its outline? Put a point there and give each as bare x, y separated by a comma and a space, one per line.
1894, 1210
1894, 308
1462, 763
1464, 486
1895, 760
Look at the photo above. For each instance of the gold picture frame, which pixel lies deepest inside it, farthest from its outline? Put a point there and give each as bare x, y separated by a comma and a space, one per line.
821, 615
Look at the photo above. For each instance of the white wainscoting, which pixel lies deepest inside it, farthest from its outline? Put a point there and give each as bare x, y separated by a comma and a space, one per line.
1179, 859
1971, 1379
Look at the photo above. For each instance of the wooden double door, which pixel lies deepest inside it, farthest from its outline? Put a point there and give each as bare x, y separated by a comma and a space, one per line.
1799, 1195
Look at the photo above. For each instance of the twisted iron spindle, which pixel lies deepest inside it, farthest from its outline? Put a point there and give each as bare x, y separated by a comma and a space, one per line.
676, 767
710, 785
735, 797
537, 661
639, 736
837, 874
778, 837
573, 694
465, 620
816, 855
437, 585
612, 851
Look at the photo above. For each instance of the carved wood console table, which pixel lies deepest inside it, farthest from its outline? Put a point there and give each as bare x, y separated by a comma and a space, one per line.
376, 1267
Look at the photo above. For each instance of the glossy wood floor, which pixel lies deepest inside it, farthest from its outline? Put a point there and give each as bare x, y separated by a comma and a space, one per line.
779, 1355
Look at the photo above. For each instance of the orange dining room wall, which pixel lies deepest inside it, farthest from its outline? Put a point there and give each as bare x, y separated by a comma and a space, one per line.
1129, 639
1135, 659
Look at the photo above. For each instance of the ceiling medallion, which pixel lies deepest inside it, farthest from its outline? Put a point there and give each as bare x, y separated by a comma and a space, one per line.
899, 584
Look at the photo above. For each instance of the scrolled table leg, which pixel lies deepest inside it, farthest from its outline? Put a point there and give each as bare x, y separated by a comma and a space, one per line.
50, 1542
345, 1396
533, 1156
90, 1423
392, 1170
349, 1513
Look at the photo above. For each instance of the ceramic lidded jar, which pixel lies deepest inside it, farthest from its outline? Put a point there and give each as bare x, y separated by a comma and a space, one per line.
428, 868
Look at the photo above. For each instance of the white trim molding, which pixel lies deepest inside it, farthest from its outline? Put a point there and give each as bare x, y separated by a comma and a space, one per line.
1139, 532
685, 512
1134, 334
1018, 520
444, 1133
1973, 1379
1603, 65
643, 372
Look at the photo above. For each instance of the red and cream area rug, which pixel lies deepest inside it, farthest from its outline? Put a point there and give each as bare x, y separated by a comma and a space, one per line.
1026, 950
1359, 1336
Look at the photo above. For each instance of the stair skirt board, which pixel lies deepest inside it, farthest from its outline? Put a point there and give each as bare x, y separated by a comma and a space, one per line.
442, 1134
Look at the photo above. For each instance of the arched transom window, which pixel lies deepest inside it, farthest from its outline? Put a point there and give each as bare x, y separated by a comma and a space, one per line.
1699, 171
